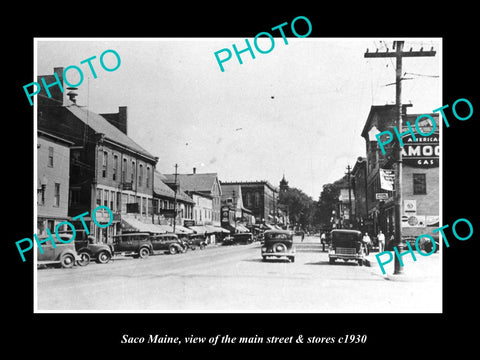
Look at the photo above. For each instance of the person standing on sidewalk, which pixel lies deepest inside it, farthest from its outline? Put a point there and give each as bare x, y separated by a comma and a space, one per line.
381, 241
367, 241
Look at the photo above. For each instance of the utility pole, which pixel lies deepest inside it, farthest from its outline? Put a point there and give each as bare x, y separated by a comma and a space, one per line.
399, 54
349, 195
175, 200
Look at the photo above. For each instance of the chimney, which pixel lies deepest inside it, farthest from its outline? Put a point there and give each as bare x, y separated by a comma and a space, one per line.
58, 97
194, 170
119, 120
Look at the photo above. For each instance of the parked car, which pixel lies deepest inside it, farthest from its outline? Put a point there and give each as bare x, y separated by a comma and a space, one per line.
196, 240
169, 243
242, 238
62, 254
227, 240
135, 244
346, 245
101, 253
278, 243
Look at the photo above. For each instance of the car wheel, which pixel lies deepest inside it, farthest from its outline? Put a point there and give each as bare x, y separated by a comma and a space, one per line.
84, 259
331, 261
202, 246
264, 258
292, 259
173, 250
103, 257
144, 252
360, 262
279, 247
193, 247
67, 260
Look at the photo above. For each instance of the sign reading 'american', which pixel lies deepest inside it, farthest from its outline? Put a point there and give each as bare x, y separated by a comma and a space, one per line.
424, 152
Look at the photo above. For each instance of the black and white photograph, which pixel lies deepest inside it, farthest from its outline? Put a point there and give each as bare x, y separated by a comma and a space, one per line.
176, 178
210, 180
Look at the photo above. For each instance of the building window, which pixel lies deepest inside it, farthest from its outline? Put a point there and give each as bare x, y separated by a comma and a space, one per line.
115, 167
124, 170
133, 172
104, 164
99, 197
249, 199
112, 200
140, 175
57, 195
148, 177
50, 156
105, 198
119, 202
419, 184
257, 199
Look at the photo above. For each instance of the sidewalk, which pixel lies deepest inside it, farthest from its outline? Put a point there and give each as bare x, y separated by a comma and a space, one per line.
425, 268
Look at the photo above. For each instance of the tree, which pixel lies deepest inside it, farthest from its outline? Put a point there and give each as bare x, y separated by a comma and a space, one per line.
327, 203
299, 205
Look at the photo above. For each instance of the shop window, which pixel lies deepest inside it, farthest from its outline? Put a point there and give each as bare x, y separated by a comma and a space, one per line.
419, 184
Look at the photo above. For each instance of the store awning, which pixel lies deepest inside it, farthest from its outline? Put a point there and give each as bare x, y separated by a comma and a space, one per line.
199, 229
179, 229
136, 225
216, 229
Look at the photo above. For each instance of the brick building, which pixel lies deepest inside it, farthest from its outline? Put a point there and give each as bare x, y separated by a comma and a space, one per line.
420, 174
106, 166
261, 198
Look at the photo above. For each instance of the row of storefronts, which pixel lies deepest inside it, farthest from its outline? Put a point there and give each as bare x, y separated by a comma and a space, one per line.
85, 159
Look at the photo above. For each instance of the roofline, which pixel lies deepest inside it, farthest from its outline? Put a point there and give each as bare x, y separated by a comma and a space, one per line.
373, 110
55, 137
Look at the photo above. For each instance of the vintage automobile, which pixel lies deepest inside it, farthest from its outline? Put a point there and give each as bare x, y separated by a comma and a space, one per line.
242, 238
101, 253
196, 240
169, 243
135, 244
346, 245
278, 243
62, 254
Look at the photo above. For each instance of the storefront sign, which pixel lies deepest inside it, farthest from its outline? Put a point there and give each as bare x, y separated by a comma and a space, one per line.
387, 179
421, 153
381, 196
410, 207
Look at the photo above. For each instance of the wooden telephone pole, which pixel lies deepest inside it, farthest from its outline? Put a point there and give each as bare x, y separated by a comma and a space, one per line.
175, 200
399, 54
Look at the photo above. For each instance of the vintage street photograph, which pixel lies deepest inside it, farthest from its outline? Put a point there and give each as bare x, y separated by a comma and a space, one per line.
234, 175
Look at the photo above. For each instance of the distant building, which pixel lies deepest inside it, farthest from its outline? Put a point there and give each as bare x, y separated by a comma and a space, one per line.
261, 198
201, 184
164, 199
235, 217
53, 162
359, 188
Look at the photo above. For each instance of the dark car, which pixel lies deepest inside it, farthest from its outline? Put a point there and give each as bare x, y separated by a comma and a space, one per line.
346, 245
85, 244
62, 254
169, 243
242, 238
196, 240
135, 244
278, 243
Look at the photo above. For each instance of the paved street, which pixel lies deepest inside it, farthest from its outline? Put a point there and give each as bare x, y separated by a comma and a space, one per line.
234, 279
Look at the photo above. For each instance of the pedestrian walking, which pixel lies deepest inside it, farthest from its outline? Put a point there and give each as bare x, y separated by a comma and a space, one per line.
367, 241
303, 235
381, 241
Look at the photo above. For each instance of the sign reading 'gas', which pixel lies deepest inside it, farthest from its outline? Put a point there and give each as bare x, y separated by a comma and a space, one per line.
424, 152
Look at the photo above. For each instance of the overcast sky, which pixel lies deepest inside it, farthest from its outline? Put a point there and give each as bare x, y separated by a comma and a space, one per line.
184, 110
